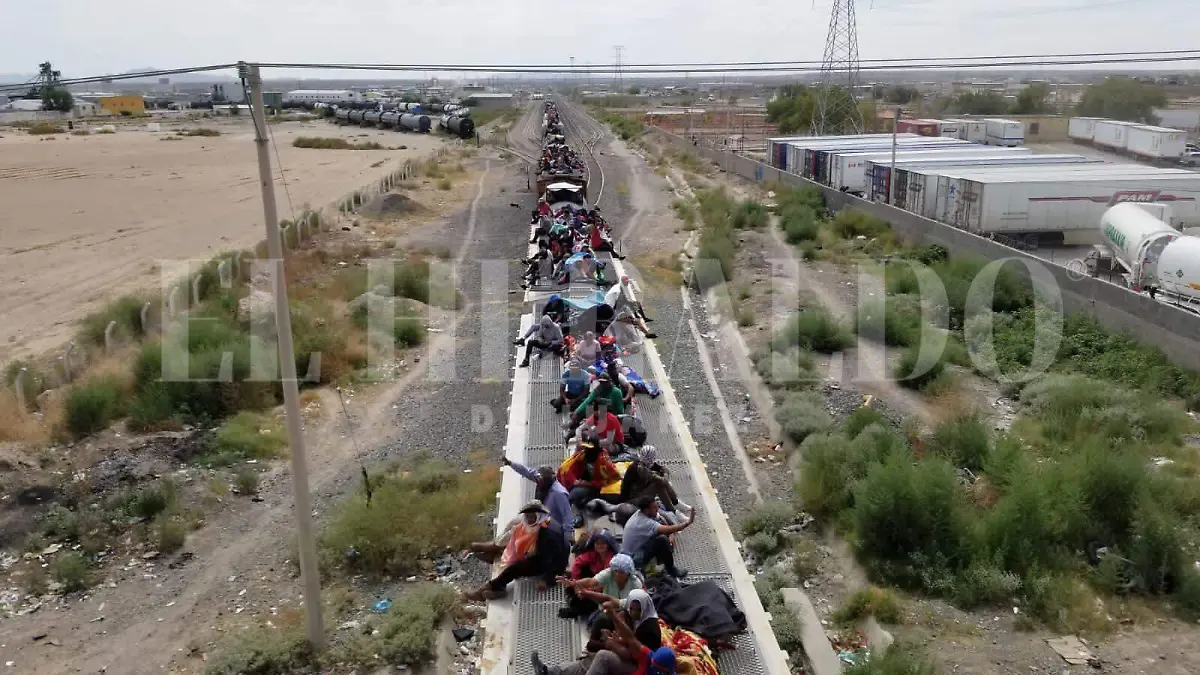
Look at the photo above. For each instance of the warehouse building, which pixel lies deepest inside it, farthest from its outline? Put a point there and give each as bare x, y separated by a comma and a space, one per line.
122, 105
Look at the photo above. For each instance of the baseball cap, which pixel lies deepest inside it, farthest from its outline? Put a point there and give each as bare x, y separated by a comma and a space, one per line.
662, 660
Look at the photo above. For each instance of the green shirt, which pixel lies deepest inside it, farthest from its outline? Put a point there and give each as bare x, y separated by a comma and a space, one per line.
616, 402
609, 587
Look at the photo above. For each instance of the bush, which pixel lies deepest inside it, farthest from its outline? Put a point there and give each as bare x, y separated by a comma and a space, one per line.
985, 584
877, 602
145, 503
962, 441
246, 436
260, 651
684, 210
851, 223
716, 244
94, 405
409, 631
787, 628
813, 329
1074, 406
1038, 524
906, 375
246, 482
900, 317
445, 184
862, 418
409, 332
770, 582
896, 661
790, 370
126, 311
371, 540
763, 544
325, 143
749, 214
60, 522
170, 535
806, 560
44, 128
909, 520
769, 517
801, 415
799, 224
72, 571
201, 131
834, 465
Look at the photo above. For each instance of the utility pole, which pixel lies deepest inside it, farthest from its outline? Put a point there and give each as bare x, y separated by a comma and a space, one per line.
836, 113
892, 167
618, 77
309, 574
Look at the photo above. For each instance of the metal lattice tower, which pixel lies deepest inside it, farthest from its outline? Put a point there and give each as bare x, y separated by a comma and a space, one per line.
618, 76
837, 112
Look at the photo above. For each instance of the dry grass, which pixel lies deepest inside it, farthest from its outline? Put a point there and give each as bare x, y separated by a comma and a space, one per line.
18, 425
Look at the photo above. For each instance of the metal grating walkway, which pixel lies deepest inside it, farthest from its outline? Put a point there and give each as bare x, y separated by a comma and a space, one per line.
537, 626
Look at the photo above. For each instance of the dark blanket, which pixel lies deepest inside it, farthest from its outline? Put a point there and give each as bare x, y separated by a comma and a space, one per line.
701, 607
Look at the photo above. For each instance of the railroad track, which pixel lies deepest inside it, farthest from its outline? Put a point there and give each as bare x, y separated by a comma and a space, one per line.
590, 136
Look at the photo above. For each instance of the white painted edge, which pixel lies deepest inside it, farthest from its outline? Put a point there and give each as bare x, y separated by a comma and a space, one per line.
501, 621
758, 620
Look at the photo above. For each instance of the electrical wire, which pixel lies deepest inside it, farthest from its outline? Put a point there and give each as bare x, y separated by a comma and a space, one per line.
124, 76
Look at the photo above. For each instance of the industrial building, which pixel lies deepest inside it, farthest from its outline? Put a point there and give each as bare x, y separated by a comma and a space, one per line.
122, 105
322, 96
490, 101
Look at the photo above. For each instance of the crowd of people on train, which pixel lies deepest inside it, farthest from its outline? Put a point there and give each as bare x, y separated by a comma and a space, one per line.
604, 524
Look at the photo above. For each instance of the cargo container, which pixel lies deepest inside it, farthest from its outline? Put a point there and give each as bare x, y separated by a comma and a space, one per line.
919, 127
809, 160
1111, 133
1136, 240
1155, 142
1004, 132
974, 131
850, 169
824, 162
915, 179
950, 128
1056, 206
777, 147
1082, 128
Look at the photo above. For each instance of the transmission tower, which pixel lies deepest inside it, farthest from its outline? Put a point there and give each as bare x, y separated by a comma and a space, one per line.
618, 77
837, 110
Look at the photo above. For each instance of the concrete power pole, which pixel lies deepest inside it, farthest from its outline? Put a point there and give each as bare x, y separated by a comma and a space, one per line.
309, 574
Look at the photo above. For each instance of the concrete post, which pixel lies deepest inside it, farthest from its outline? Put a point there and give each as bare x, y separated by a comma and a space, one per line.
109, 338
196, 291
223, 273
66, 360
144, 316
242, 272
285, 237
173, 303
19, 387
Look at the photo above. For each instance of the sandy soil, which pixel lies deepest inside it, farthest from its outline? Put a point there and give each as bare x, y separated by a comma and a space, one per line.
89, 217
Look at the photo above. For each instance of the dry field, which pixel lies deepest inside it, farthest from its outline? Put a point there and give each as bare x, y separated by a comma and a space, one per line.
83, 218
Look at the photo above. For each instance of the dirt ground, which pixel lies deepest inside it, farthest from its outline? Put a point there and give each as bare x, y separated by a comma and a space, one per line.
86, 218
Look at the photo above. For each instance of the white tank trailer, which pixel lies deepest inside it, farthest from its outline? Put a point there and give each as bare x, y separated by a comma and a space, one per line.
1179, 269
1137, 240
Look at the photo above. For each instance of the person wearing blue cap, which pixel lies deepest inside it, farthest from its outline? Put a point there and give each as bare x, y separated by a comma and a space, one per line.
556, 308
623, 654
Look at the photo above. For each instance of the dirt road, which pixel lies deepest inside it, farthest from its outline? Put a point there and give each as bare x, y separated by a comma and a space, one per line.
89, 217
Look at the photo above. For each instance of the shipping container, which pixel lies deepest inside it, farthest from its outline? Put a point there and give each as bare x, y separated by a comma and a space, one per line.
850, 169
826, 162
1082, 128
1156, 142
919, 177
1064, 206
974, 131
1004, 132
950, 128
777, 147
1112, 133
808, 159
918, 127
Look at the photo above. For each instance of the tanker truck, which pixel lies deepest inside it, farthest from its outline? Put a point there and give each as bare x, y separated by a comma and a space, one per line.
1136, 240
1179, 272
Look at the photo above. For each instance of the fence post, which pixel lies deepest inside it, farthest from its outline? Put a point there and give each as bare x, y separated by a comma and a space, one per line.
66, 360
196, 291
144, 315
173, 303
108, 336
19, 386
223, 273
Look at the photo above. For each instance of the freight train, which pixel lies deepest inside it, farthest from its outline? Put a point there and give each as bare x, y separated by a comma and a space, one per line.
408, 117
562, 175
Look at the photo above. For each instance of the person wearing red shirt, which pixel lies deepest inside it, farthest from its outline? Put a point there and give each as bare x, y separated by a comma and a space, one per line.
622, 655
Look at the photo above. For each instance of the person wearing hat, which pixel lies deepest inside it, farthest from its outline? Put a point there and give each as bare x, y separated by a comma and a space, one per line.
586, 472
574, 386
623, 654
550, 492
556, 309
536, 548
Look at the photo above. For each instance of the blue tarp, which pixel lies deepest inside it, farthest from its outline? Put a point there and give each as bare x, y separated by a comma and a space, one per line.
584, 304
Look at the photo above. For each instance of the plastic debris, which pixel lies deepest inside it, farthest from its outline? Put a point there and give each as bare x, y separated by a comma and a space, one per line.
382, 606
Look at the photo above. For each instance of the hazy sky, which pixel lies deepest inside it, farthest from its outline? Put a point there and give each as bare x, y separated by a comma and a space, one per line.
84, 38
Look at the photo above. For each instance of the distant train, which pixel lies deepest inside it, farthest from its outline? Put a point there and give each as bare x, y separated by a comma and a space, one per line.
404, 117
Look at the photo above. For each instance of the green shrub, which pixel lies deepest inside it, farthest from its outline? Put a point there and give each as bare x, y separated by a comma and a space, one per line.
409, 332
60, 523
200, 131
800, 415
434, 519
770, 582
834, 465
850, 223
896, 661
985, 584
962, 441
877, 602
1074, 406
44, 128
799, 224
325, 143
787, 628
806, 559
1038, 524
246, 482
790, 370
906, 370
445, 184
170, 535
126, 311
768, 516
415, 280
909, 520
813, 329
749, 214
763, 544
72, 571
684, 210
94, 405
900, 318
716, 245
147, 502
245, 436
260, 651
862, 418
408, 632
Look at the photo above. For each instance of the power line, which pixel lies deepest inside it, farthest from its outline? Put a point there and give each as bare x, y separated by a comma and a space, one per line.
127, 76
